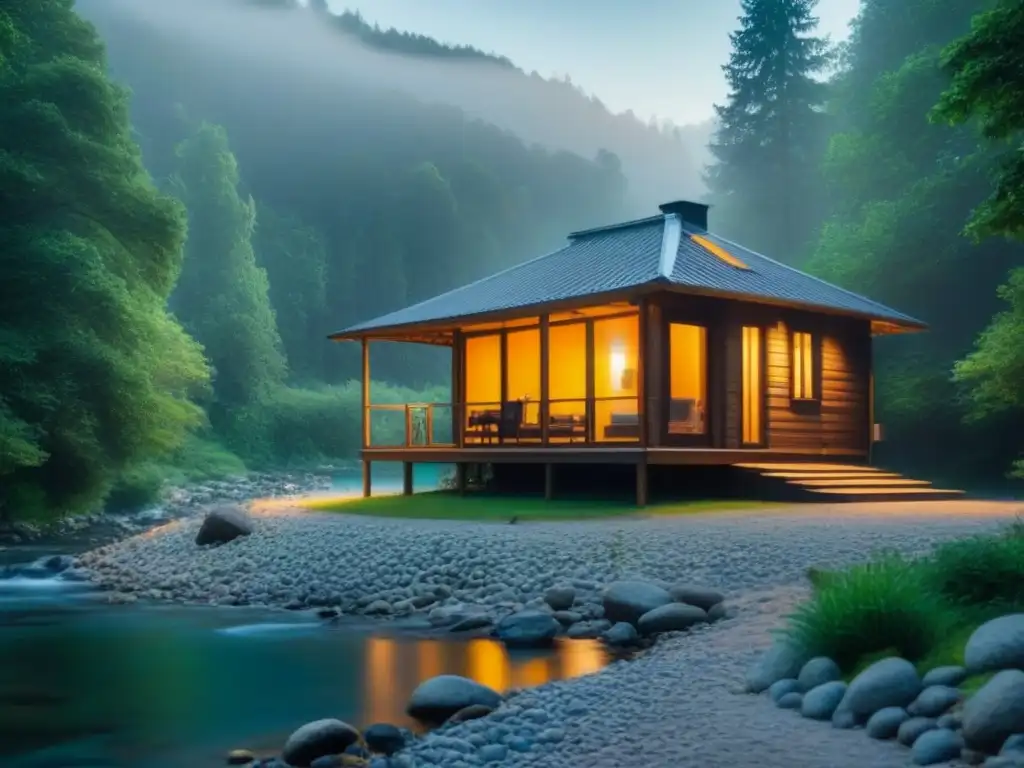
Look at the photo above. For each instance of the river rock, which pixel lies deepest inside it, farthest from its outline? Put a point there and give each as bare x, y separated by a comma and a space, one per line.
702, 597
996, 644
885, 723
951, 676
910, 731
384, 738
621, 634
437, 699
527, 629
240, 757
560, 598
891, 682
818, 671
223, 524
934, 701
821, 702
629, 600
995, 712
791, 700
472, 712
316, 739
781, 661
780, 688
673, 617
938, 746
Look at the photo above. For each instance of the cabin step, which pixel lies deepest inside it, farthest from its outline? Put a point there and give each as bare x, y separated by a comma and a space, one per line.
883, 494
864, 482
808, 466
851, 475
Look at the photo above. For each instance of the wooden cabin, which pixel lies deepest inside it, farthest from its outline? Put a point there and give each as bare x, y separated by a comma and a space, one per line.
646, 343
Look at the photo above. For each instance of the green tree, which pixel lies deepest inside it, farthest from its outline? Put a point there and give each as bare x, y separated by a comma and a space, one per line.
223, 295
771, 129
986, 67
95, 375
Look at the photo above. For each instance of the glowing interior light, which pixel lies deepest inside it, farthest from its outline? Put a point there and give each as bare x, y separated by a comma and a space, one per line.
617, 365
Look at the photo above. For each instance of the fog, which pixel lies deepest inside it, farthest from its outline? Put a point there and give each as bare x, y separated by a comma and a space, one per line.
315, 56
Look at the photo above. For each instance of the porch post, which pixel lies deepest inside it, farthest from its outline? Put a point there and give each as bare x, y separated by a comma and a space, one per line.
641, 373
654, 373
549, 481
545, 385
641, 482
458, 395
407, 478
460, 476
365, 401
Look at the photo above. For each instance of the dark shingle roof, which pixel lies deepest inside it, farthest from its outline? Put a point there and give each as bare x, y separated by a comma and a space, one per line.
658, 250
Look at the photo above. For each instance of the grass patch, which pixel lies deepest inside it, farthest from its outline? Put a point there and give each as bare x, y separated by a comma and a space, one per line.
922, 609
449, 505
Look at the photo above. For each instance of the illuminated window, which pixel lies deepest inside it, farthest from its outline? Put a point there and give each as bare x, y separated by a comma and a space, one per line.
803, 366
752, 393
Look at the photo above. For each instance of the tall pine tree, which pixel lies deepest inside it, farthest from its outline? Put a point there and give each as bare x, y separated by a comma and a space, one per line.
770, 132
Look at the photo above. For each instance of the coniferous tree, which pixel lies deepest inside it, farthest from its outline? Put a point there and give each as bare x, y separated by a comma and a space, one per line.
769, 139
223, 295
95, 375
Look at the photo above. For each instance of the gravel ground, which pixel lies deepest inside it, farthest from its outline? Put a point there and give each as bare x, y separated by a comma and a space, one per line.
678, 705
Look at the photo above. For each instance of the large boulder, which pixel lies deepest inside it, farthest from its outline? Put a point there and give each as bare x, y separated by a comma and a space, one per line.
316, 739
223, 524
996, 644
995, 712
673, 617
780, 662
527, 629
702, 597
891, 682
437, 699
629, 600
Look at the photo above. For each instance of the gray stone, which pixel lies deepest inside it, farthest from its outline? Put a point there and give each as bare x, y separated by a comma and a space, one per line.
621, 634
996, 644
629, 600
891, 682
934, 701
951, 676
674, 617
843, 718
717, 612
821, 702
950, 721
472, 712
938, 746
223, 524
588, 629
792, 700
528, 629
1005, 761
493, 753
702, 597
567, 618
384, 738
995, 712
471, 623
885, 723
780, 688
818, 671
560, 598
437, 699
779, 662
316, 739
1013, 745
912, 729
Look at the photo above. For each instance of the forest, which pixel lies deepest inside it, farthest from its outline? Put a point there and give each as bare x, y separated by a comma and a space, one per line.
195, 194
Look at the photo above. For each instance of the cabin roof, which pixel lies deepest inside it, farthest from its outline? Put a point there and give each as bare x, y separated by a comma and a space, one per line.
667, 251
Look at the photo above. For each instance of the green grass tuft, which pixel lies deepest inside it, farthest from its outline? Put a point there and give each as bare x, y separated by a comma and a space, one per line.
883, 606
980, 570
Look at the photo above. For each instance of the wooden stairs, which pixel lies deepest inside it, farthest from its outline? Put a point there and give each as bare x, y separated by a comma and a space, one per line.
828, 483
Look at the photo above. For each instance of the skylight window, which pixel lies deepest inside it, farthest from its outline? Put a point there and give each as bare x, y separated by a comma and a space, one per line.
718, 251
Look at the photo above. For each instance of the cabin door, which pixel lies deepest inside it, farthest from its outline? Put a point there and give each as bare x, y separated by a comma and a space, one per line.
687, 409
753, 389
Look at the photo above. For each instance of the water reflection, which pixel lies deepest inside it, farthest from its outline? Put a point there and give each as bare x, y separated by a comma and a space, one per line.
84, 683
396, 666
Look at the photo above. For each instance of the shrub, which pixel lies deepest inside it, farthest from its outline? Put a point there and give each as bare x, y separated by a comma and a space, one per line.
867, 609
136, 488
980, 571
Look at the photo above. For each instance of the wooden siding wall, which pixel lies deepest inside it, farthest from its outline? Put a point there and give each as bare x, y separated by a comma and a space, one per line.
840, 419
733, 334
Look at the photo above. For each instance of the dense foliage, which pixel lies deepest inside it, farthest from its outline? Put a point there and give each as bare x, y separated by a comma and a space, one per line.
96, 374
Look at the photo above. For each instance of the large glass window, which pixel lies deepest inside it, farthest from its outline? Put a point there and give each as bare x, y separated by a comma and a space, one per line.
687, 405
522, 372
753, 402
483, 387
616, 374
567, 382
803, 366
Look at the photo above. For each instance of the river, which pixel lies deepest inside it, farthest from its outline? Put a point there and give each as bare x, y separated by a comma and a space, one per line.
85, 683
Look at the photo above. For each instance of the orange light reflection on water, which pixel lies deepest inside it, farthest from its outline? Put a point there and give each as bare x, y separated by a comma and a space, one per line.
395, 667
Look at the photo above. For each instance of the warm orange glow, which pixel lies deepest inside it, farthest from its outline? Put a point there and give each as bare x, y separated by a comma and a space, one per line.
488, 664
380, 688
581, 312
483, 369
616, 375
753, 403
429, 660
531, 673
687, 379
582, 657
567, 369
803, 366
718, 251
522, 372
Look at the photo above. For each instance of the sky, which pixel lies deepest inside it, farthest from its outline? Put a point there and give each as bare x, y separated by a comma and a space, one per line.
656, 57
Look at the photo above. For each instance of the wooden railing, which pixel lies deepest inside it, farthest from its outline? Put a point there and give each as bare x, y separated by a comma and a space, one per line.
410, 425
